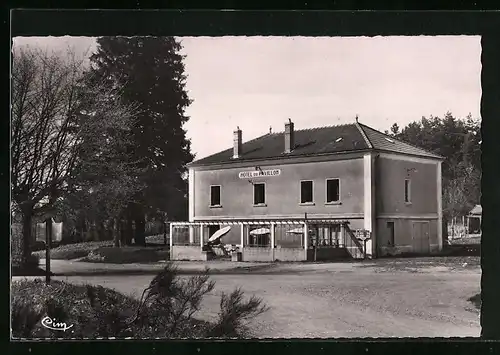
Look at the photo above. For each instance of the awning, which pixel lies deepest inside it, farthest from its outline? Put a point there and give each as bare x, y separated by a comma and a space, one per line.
309, 221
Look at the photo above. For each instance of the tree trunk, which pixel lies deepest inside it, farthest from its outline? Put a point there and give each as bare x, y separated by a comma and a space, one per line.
123, 231
140, 229
114, 231
100, 231
453, 227
445, 230
129, 232
27, 235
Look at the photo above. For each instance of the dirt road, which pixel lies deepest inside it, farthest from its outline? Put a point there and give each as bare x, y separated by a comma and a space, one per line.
343, 300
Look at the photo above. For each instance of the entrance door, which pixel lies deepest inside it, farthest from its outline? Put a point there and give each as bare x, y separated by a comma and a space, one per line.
420, 237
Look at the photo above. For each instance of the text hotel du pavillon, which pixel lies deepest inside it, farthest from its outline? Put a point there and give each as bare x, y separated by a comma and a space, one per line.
253, 174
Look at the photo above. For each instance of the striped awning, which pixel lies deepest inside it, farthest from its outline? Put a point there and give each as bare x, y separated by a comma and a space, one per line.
262, 222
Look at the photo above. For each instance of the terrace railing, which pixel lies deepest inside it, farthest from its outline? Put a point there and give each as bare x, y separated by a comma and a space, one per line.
353, 242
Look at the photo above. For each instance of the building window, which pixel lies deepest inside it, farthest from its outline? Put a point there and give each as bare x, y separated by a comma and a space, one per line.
215, 195
306, 192
407, 190
259, 236
390, 226
332, 190
259, 194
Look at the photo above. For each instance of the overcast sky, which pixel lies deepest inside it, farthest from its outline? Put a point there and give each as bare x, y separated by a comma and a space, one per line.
258, 82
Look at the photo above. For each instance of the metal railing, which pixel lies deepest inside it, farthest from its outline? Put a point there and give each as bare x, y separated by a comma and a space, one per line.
186, 235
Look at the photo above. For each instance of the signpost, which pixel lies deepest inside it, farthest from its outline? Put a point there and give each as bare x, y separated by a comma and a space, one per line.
165, 233
364, 237
48, 242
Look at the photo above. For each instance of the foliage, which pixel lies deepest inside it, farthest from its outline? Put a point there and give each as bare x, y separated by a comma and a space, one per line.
57, 111
476, 300
151, 73
235, 313
458, 141
73, 304
174, 300
166, 309
33, 261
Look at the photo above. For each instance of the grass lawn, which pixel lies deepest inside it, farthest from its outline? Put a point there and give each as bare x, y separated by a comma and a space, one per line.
470, 241
105, 252
126, 255
30, 271
73, 251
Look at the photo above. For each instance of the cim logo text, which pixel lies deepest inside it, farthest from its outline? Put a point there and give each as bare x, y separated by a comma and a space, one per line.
50, 323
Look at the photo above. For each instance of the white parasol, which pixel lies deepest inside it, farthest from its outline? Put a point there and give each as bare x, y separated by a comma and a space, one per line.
296, 231
300, 231
260, 231
219, 234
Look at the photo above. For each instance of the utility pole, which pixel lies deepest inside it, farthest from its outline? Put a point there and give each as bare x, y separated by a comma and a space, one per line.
48, 242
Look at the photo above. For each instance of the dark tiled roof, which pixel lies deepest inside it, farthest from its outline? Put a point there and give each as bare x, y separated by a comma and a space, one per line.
381, 141
322, 140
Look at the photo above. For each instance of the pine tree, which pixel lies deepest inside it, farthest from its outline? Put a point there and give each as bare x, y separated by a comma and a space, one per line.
150, 70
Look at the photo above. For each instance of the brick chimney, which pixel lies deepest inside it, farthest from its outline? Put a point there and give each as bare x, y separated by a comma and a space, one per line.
289, 136
237, 143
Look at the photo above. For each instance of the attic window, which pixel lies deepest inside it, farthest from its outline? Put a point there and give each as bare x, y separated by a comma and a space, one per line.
338, 140
389, 140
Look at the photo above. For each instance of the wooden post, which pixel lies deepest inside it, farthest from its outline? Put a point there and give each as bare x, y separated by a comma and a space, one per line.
306, 239
202, 236
191, 235
364, 244
171, 236
165, 233
242, 230
272, 235
48, 242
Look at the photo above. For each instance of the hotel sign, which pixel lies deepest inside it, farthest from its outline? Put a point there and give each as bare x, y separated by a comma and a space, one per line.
258, 173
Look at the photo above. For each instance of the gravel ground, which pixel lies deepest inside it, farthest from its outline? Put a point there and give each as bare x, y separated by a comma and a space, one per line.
383, 298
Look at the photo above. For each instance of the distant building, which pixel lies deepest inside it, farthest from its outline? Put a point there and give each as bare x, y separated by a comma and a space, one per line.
474, 220
336, 182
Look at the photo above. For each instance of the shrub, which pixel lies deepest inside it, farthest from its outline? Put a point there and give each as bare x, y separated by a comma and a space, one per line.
33, 261
94, 256
235, 314
167, 308
24, 318
64, 302
170, 303
476, 300
38, 245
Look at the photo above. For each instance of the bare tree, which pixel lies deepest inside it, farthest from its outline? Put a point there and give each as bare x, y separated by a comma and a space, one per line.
55, 109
